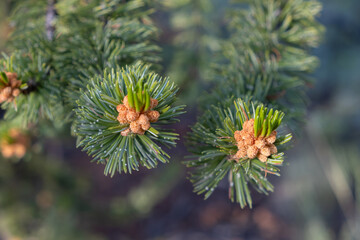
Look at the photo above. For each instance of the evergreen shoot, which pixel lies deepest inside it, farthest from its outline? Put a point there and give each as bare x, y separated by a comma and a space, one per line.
95, 65
239, 142
123, 117
266, 60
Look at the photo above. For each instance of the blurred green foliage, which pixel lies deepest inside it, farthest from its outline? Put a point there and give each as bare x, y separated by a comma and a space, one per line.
318, 196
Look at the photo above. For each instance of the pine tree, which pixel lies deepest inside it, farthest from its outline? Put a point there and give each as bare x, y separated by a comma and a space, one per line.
93, 65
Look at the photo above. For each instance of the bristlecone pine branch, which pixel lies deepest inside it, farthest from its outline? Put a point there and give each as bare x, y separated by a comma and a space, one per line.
122, 113
137, 108
268, 55
266, 58
240, 142
26, 89
121, 117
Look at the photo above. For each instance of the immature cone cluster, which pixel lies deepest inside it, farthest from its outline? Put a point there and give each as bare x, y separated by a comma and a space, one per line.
252, 147
139, 122
11, 90
16, 147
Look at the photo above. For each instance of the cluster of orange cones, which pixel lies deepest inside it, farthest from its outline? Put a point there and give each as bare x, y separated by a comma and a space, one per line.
139, 122
252, 147
11, 89
16, 147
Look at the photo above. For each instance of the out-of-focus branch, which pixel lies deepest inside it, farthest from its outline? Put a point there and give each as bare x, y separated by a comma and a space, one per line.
50, 18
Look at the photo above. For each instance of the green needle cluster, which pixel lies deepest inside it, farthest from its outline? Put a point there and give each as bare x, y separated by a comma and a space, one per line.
138, 95
266, 121
99, 130
3, 79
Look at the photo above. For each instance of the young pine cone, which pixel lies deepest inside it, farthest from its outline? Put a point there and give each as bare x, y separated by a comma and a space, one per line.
144, 122
17, 147
135, 127
153, 103
122, 117
139, 122
153, 116
125, 132
11, 89
132, 115
251, 147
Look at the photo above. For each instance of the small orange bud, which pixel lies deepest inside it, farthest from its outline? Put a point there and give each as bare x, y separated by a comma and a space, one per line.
240, 153
2, 98
144, 122
132, 115
16, 92
260, 143
262, 158
7, 92
14, 133
121, 108
250, 140
145, 126
125, 132
273, 149
143, 119
265, 151
122, 118
252, 151
244, 134
241, 144
237, 136
19, 150
135, 127
272, 138
126, 102
153, 103
153, 115
15, 83
248, 126
7, 151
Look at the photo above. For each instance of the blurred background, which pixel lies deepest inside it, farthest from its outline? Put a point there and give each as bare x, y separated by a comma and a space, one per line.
54, 192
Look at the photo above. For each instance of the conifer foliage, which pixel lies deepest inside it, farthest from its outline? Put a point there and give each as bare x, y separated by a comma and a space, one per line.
85, 56
266, 59
93, 64
121, 118
239, 142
